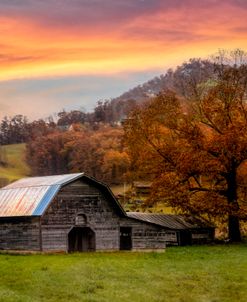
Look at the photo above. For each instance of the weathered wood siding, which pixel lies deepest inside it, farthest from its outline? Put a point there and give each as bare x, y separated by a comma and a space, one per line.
146, 236
72, 201
202, 236
20, 233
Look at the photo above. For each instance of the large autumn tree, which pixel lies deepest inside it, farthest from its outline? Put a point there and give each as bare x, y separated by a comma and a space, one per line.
194, 151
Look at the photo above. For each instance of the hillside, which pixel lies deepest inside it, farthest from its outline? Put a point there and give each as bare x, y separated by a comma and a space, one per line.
13, 165
186, 80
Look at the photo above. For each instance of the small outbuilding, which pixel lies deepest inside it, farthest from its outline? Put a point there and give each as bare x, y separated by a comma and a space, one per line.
75, 212
178, 229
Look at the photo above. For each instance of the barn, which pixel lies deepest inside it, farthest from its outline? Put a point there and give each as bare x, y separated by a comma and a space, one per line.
75, 212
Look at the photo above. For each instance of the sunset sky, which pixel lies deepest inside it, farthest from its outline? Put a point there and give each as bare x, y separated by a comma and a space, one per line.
70, 53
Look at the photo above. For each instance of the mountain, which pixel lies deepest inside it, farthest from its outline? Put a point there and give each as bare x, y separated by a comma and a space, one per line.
185, 80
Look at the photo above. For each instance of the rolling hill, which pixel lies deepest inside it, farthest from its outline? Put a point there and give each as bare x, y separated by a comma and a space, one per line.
12, 163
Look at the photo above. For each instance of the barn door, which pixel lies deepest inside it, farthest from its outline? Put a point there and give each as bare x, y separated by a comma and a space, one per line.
185, 237
125, 238
81, 240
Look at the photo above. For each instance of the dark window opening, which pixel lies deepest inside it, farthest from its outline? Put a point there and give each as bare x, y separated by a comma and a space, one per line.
125, 238
185, 237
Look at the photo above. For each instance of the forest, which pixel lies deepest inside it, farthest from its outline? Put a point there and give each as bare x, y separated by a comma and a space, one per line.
184, 131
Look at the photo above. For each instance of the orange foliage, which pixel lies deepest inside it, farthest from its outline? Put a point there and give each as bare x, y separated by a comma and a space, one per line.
194, 157
99, 153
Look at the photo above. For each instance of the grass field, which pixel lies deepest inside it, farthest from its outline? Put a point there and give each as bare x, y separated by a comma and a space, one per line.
16, 167
181, 274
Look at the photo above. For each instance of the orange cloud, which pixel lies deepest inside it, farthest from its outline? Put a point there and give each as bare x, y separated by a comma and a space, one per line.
164, 38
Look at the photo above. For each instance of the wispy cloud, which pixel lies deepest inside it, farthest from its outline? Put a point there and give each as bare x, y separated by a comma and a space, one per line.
47, 40
43, 38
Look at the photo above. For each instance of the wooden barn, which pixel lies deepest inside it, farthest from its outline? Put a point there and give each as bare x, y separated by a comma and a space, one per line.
75, 212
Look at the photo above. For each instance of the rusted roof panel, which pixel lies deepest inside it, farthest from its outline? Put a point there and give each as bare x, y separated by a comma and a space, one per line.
21, 201
170, 221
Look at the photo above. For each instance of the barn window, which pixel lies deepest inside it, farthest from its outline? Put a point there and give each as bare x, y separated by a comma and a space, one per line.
151, 233
138, 232
81, 219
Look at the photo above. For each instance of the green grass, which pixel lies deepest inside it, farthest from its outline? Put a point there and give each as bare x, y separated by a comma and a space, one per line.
184, 274
14, 157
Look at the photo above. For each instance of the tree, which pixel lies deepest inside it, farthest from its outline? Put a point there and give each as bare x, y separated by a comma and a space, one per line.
188, 77
195, 155
13, 130
72, 117
44, 154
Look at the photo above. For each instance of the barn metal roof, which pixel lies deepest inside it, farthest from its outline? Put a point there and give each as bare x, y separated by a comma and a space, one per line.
43, 181
170, 221
31, 196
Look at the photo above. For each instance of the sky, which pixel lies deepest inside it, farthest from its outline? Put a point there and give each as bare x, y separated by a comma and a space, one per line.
68, 54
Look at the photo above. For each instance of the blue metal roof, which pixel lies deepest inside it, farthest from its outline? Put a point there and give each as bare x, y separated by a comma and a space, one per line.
31, 196
46, 199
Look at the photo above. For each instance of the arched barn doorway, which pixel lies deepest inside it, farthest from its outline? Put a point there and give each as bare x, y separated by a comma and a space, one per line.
81, 239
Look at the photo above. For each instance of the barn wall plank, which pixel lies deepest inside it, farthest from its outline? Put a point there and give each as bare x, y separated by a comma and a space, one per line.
20, 235
145, 235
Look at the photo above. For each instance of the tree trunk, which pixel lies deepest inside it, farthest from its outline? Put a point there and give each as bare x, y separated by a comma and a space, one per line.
234, 234
234, 229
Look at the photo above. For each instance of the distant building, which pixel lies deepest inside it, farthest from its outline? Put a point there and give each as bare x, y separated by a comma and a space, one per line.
142, 188
75, 212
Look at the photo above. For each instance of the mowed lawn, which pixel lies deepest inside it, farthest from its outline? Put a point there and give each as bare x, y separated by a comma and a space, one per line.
186, 274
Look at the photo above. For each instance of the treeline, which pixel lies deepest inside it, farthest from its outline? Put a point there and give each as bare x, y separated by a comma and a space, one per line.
100, 153
17, 129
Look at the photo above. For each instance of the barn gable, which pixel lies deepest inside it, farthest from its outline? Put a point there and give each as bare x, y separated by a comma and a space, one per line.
81, 207
31, 196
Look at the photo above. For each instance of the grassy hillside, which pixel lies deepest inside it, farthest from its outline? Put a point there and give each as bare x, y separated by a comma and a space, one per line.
13, 164
181, 274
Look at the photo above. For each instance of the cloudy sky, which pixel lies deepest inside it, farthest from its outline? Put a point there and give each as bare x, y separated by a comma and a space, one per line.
70, 53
